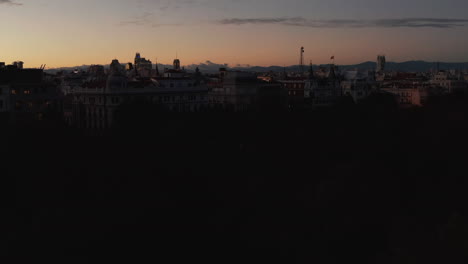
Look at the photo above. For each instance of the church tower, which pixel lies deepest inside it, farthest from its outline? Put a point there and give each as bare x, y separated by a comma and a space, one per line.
381, 61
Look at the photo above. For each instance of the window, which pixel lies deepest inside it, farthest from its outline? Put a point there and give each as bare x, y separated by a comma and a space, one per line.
13, 91
27, 92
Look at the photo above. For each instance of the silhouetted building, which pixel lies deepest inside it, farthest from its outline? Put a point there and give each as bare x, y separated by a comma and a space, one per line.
242, 91
27, 93
129, 66
95, 101
18, 64
406, 94
4, 98
449, 82
182, 92
176, 64
295, 87
323, 88
381, 61
358, 84
115, 68
96, 70
143, 67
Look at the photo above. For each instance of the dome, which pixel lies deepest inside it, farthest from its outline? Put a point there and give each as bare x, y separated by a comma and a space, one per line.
116, 80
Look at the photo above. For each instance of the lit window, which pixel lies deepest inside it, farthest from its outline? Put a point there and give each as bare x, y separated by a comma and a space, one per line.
13, 91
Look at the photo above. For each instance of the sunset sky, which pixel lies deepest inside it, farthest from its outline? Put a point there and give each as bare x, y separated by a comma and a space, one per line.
256, 32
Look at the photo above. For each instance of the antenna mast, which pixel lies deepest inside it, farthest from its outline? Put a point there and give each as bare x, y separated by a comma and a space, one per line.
301, 62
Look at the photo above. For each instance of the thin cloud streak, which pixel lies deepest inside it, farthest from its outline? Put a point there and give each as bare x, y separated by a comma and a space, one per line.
351, 23
10, 2
146, 19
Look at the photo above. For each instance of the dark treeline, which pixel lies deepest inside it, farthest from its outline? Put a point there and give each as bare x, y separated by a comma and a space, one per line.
367, 183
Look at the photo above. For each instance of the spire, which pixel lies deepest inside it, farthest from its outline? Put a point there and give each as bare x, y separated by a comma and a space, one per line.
198, 76
311, 70
332, 74
157, 68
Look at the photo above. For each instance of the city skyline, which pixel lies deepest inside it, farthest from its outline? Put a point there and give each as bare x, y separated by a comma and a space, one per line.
261, 33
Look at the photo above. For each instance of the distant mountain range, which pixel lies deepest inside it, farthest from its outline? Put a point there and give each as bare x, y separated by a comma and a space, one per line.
210, 67
409, 66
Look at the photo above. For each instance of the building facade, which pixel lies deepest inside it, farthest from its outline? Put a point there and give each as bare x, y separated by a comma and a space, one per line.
357, 84
449, 82
323, 88
28, 93
95, 101
239, 91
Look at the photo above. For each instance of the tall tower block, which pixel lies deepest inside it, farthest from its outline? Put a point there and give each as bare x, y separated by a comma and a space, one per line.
381, 61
